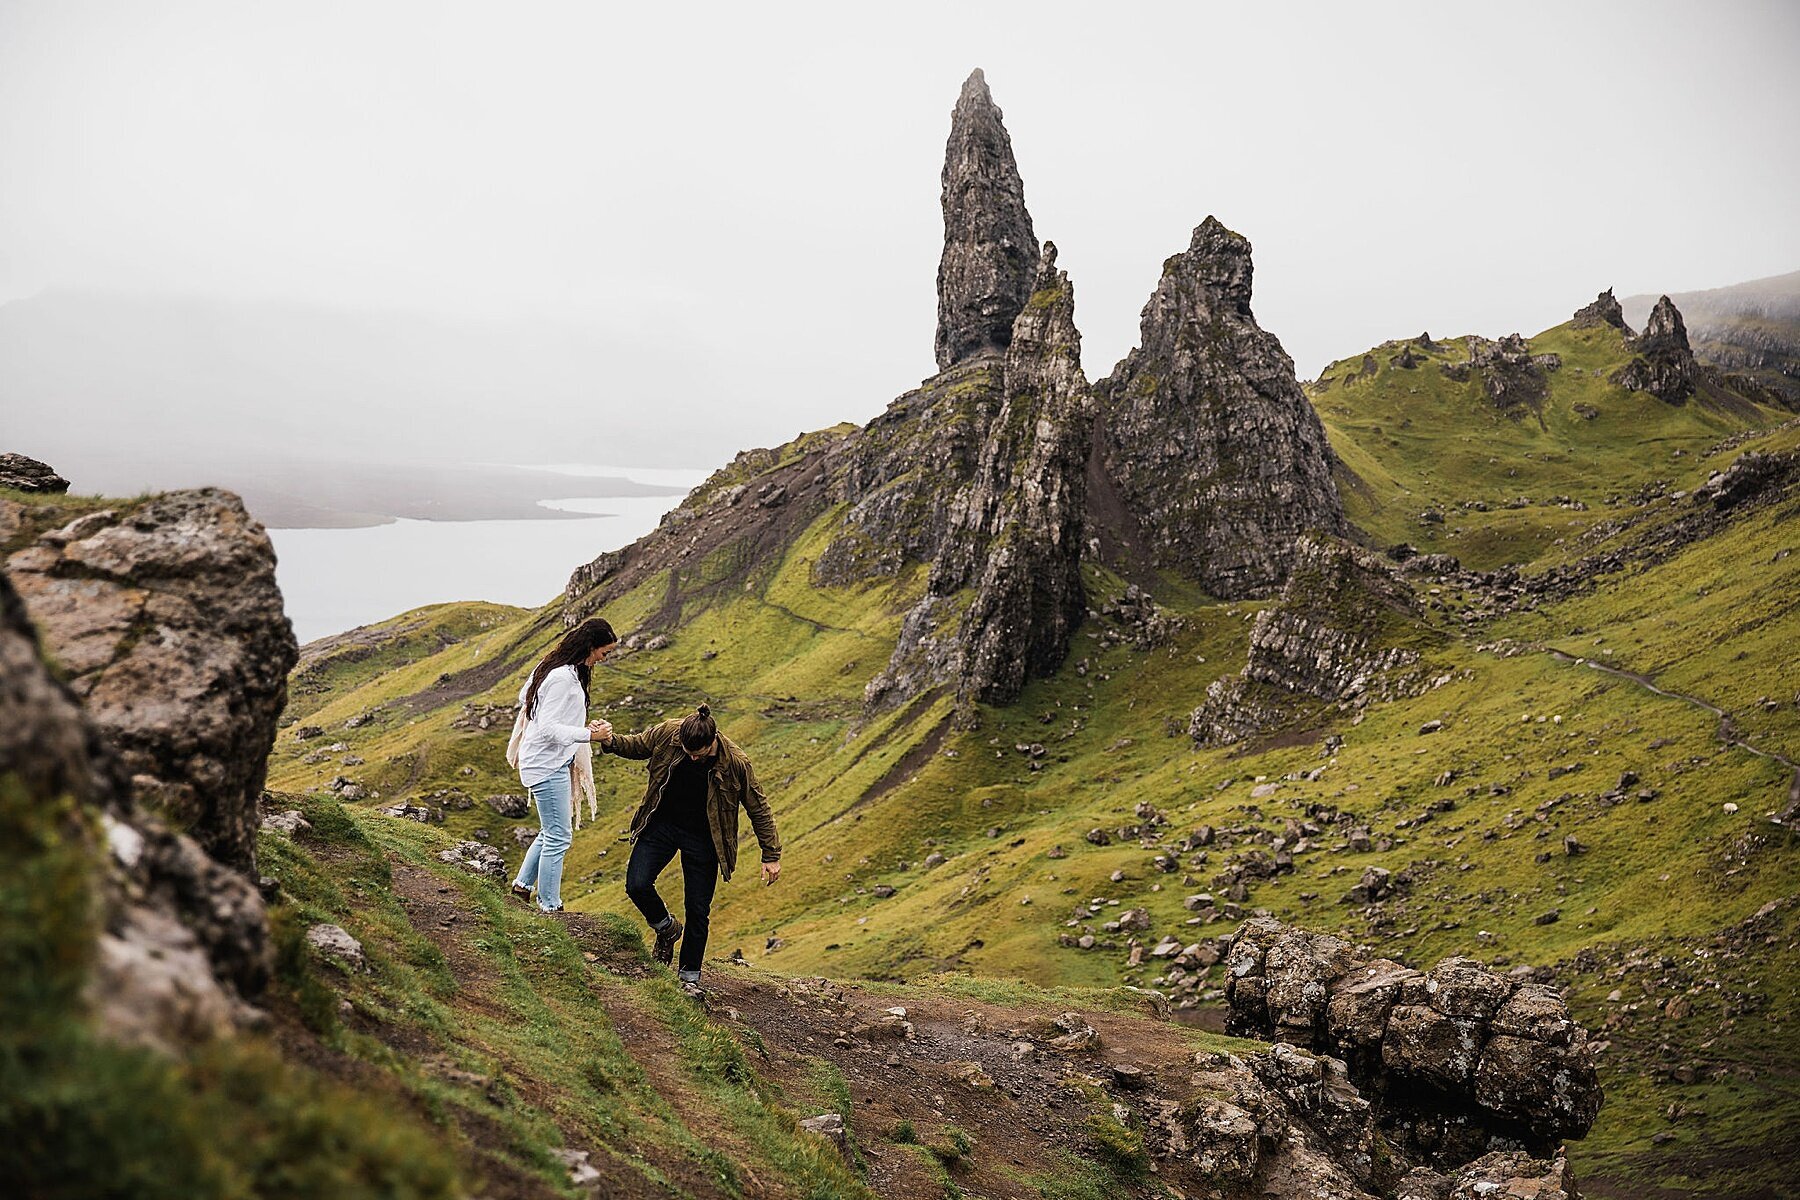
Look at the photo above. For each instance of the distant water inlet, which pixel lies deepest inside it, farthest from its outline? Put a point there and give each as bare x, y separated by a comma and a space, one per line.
337, 579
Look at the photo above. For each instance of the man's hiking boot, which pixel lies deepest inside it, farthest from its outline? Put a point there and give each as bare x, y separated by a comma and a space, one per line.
665, 942
693, 991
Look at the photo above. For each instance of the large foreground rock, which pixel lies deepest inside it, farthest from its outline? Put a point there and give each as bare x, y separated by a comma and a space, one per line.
166, 619
181, 943
1458, 1061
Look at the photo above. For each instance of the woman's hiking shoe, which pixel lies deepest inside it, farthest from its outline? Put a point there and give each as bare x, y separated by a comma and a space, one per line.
665, 942
521, 892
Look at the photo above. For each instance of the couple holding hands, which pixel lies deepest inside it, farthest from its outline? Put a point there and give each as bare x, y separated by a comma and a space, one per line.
697, 780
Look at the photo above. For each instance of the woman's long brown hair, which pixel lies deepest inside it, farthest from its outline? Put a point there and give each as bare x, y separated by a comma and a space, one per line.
572, 651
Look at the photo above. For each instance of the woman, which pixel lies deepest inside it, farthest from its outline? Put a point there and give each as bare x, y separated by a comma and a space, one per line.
550, 731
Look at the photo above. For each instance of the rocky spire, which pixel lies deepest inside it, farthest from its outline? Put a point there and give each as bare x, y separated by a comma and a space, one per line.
1029, 599
1664, 365
990, 252
1218, 458
1604, 310
1015, 532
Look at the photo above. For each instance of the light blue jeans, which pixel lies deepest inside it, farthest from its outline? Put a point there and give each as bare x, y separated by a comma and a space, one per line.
543, 863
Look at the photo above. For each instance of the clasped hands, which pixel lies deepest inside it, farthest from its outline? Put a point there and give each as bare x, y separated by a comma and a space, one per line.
600, 731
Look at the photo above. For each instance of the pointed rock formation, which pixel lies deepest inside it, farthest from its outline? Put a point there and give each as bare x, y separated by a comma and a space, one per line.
1604, 310
1014, 533
1664, 365
1217, 457
990, 252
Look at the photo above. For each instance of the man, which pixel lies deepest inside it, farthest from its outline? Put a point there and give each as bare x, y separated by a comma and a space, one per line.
697, 779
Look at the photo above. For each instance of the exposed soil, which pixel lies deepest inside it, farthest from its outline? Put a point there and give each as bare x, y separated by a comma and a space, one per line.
1017, 1123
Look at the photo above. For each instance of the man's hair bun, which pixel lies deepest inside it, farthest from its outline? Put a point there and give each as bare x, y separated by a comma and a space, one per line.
697, 729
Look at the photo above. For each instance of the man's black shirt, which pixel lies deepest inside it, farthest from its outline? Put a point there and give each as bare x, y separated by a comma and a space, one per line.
683, 803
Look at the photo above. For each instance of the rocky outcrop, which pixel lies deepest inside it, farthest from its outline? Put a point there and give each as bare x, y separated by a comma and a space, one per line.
1015, 531
723, 537
1513, 377
180, 943
1605, 310
167, 621
1664, 364
1218, 460
1457, 1061
1751, 330
990, 254
1329, 640
900, 472
23, 474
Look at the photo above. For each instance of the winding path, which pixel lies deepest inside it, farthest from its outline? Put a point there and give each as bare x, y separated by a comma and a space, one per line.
1726, 731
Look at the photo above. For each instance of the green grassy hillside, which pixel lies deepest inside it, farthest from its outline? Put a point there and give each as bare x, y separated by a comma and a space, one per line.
1415, 439
1666, 904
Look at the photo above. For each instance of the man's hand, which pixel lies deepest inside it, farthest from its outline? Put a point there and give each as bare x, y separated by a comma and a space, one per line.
770, 873
600, 731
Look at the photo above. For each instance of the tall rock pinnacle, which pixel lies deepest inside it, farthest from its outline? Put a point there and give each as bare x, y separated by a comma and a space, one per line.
990, 251
1014, 532
1664, 365
1217, 456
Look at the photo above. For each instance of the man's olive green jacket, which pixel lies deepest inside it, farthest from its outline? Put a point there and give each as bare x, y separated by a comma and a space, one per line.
731, 782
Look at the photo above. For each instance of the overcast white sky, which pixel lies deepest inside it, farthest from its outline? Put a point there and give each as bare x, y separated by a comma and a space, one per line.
756, 185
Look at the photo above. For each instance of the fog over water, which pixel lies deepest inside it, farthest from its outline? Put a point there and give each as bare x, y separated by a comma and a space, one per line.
337, 579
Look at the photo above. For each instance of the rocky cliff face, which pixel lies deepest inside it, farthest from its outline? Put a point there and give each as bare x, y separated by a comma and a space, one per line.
167, 620
1218, 459
1664, 365
990, 252
1457, 1061
1328, 641
180, 944
1014, 532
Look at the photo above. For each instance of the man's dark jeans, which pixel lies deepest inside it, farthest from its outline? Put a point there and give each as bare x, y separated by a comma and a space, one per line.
656, 847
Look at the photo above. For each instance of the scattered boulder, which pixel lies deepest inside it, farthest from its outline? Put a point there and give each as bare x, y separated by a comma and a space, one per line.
336, 945
582, 1172
23, 474
476, 857
290, 822
510, 805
